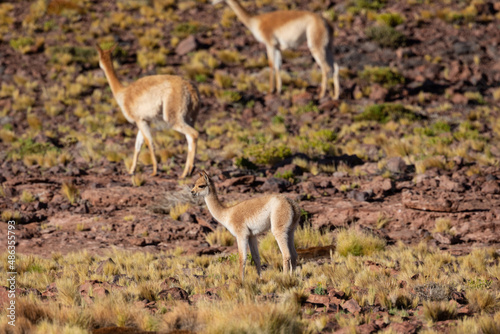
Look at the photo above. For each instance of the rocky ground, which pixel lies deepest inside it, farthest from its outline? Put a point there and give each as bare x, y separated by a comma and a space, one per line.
451, 70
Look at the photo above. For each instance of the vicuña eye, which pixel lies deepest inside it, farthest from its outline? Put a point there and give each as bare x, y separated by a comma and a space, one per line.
202, 186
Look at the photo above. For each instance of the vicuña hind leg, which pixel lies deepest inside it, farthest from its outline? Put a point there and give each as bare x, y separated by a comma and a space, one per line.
191, 137
282, 239
144, 128
254, 250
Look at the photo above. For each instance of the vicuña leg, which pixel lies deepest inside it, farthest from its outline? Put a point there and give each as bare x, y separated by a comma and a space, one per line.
336, 83
138, 145
242, 253
191, 137
144, 128
277, 67
254, 250
270, 58
291, 247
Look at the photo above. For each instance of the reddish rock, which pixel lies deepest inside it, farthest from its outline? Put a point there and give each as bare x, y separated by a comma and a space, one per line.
396, 165
378, 93
189, 44
246, 179
4, 295
406, 327
491, 187
174, 294
446, 239
367, 328
318, 299
446, 183
352, 306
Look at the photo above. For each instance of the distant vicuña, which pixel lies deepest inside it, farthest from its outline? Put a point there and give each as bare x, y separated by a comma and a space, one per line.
285, 29
151, 98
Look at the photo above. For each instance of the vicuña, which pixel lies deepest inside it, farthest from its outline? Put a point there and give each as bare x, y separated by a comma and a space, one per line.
151, 99
248, 219
285, 29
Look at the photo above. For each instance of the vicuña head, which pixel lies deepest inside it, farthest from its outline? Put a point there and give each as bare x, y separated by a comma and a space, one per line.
248, 219
285, 29
171, 97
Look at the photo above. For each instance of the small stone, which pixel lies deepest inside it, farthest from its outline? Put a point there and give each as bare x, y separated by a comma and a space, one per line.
187, 45
174, 294
396, 165
274, 184
352, 306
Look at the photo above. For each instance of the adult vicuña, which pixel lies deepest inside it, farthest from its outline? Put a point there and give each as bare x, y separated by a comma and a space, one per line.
285, 29
151, 98
252, 217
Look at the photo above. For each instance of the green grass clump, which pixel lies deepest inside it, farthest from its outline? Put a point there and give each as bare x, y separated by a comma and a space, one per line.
22, 43
368, 4
386, 36
244, 163
185, 29
267, 154
385, 112
24, 147
358, 243
385, 76
390, 19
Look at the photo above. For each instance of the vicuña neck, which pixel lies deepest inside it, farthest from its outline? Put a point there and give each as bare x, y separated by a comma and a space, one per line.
113, 81
216, 208
240, 12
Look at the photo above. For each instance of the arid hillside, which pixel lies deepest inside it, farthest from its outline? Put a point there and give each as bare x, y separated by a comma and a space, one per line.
409, 155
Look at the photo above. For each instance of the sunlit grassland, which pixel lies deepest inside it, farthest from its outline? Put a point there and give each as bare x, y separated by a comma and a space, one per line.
141, 276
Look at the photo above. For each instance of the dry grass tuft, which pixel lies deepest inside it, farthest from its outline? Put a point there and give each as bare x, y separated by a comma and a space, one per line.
70, 191
439, 311
221, 236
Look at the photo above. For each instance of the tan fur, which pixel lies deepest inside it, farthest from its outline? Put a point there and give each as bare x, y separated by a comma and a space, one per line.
143, 101
280, 30
252, 217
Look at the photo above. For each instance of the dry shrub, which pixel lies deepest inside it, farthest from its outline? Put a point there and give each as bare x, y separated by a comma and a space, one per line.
173, 199
439, 311
221, 236
482, 300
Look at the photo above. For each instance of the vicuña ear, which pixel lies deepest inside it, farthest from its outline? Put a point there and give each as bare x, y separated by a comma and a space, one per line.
205, 175
98, 47
111, 49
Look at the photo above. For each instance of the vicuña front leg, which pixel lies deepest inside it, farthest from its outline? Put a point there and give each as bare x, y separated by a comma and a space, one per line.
138, 145
270, 59
144, 128
242, 253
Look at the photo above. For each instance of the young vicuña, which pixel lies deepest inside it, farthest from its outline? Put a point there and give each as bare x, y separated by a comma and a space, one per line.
285, 29
150, 99
252, 217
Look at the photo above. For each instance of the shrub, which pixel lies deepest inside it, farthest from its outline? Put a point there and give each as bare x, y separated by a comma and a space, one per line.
439, 311
386, 36
385, 112
267, 154
385, 76
358, 243
390, 19
221, 236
